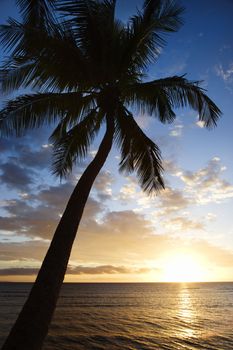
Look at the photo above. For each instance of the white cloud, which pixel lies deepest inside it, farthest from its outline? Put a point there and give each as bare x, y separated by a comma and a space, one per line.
200, 124
47, 145
211, 216
93, 153
206, 185
225, 74
127, 191
176, 131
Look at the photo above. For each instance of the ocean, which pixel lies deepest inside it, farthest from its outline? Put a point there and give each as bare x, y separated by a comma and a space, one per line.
142, 316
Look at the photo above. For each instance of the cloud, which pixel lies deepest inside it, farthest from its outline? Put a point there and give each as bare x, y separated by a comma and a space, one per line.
131, 192
25, 219
38, 159
118, 236
21, 164
225, 74
38, 216
211, 216
182, 224
13, 175
5, 145
206, 185
177, 130
202, 186
225, 47
124, 242
55, 196
170, 167
128, 191
19, 271
77, 270
171, 201
200, 124
123, 237
104, 269
103, 184
124, 221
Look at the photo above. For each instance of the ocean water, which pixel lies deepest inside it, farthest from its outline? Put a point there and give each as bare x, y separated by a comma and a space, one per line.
143, 316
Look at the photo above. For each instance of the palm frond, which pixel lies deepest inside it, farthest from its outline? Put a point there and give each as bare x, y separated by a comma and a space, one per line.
37, 13
61, 64
58, 62
15, 74
33, 111
83, 14
96, 33
167, 11
11, 34
138, 153
72, 145
146, 31
160, 97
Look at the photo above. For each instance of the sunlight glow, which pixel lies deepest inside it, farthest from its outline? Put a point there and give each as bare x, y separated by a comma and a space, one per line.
183, 268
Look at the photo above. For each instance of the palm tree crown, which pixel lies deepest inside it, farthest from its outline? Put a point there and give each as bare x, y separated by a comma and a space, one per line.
86, 66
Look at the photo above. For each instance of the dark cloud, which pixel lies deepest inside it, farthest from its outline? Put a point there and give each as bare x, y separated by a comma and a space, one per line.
124, 221
7, 224
55, 196
18, 271
23, 157
38, 216
38, 159
15, 176
5, 145
77, 270
98, 270
29, 220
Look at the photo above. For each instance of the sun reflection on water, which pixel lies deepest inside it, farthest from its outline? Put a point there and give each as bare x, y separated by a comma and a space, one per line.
186, 311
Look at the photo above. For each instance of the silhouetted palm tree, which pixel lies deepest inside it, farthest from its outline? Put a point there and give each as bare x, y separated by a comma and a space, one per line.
88, 68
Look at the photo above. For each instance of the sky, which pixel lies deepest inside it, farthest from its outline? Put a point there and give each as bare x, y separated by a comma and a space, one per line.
185, 232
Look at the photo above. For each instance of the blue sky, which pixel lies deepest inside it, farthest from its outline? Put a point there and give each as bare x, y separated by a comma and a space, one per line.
126, 236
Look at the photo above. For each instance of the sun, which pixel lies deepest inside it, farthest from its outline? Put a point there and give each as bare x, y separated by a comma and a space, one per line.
183, 268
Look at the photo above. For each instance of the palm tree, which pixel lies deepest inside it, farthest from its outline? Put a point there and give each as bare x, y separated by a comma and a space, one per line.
87, 69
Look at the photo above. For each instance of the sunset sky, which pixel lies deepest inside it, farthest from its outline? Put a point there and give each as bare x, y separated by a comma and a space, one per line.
183, 233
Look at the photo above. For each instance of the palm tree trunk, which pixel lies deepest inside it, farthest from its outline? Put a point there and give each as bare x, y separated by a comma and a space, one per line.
31, 327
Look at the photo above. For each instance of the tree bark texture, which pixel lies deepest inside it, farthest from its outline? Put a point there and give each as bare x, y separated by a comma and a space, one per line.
31, 327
